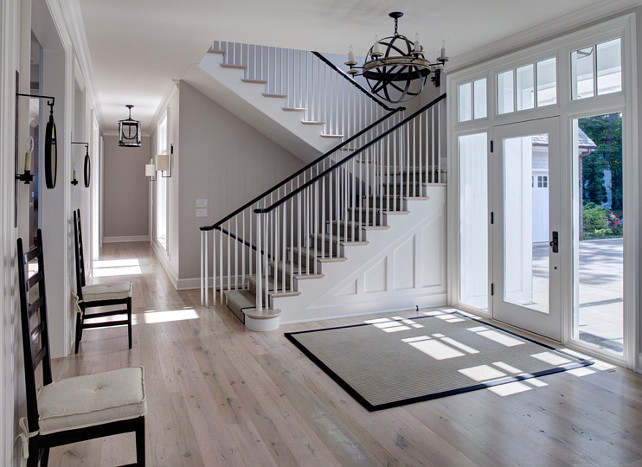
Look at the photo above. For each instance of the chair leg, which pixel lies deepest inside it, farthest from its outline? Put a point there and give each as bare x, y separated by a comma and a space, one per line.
140, 442
34, 453
78, 330
44, 460
129, 320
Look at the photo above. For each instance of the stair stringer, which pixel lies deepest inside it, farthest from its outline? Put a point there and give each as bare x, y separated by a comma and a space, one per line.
373, 278
265, 114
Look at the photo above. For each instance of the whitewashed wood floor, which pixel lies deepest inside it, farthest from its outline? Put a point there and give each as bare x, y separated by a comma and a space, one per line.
218, 394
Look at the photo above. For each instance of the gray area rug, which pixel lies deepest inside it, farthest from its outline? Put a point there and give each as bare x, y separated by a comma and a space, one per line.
389, 362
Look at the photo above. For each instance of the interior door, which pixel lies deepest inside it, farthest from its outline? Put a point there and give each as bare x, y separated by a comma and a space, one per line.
525, 226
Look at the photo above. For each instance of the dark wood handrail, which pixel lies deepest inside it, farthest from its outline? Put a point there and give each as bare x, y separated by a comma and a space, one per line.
300, 171
352, 81
355, 153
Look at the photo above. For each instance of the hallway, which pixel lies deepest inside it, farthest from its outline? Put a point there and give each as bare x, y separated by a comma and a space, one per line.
220, 395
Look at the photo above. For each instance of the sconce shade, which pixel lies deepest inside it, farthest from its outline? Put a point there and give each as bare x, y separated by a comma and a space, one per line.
51, 152
162, 162
150, 170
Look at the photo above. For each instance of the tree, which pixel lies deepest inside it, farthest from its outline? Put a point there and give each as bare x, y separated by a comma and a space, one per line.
606, 133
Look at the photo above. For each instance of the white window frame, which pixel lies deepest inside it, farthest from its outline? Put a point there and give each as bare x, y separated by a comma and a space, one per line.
162, 139
624, 101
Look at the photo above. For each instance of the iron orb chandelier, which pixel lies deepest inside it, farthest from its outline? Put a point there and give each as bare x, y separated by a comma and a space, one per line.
395, 67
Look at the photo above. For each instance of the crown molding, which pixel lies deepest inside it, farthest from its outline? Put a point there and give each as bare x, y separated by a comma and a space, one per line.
543, 32
67, 13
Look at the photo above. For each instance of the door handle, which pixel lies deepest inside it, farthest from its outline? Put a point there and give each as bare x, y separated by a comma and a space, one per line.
555, 242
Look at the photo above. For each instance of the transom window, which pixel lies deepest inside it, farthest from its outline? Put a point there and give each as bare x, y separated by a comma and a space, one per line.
471, 97
527, 87
597, 70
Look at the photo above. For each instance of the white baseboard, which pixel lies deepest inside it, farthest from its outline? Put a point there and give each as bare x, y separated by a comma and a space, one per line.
131, 238
164, 260
366, 307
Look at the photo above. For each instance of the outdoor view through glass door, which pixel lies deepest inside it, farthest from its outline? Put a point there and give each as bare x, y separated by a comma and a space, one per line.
598, 232
525, 227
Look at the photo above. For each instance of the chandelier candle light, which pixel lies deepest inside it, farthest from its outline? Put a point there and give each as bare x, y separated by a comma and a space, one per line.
400, 72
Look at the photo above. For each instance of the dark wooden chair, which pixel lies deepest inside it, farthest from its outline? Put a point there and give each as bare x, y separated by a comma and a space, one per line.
72, 409
98, 295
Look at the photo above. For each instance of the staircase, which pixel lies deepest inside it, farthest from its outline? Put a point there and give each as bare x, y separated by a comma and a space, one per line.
283, 93
360, 228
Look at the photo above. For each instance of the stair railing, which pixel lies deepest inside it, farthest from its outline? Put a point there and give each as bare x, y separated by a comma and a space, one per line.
234, 248
309, 83
306, 219
335, 208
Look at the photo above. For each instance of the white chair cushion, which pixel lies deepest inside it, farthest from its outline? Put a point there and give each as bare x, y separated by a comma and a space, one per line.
90, 400
109, 291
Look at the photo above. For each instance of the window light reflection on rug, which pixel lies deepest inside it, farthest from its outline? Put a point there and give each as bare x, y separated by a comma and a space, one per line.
433, 348
495, 336
394, 324
551, 358
116, 267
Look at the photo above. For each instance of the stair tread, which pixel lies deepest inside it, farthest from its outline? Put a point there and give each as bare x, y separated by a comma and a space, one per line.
278, 96
328, 135
295, 109
235, 67
253, 81
241, 297
265, 313
311, 122
216, 51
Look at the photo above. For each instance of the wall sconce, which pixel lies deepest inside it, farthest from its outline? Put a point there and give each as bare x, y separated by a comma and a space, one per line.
164, 162
51, 146
86, 166
27, 176
150, 171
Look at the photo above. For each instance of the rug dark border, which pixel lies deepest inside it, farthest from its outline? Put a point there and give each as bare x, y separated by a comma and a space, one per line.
372, 408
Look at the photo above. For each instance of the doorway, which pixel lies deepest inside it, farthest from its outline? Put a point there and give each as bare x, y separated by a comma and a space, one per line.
525, 231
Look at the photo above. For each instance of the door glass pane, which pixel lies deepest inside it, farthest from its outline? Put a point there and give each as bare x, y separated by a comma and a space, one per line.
525, 88
505, 92
473, 222
582, 72
546, 82
609, 67
479, 94
465, 102
598, 243
526, 208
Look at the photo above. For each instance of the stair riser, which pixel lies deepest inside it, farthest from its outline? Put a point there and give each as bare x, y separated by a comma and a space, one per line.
387, 202
341, 230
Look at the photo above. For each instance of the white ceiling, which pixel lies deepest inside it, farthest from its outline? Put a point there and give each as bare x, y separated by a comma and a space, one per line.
138, 46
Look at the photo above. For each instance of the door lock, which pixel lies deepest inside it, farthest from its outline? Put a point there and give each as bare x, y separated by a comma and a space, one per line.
555, 242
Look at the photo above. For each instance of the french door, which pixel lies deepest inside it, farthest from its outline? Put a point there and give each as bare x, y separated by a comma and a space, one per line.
525, 203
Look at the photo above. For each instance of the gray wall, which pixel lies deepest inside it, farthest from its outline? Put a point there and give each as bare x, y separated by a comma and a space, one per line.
223, 160
125, 189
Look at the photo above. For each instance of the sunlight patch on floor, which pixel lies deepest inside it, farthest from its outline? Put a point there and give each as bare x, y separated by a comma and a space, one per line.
116, 267
154, 317
509, 389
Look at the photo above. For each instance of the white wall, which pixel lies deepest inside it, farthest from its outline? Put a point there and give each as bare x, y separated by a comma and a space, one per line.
223, 160
125, 188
